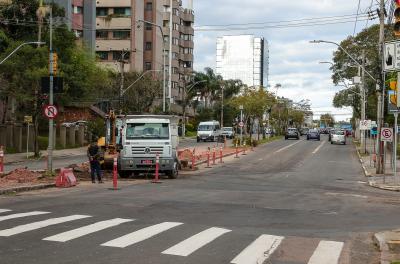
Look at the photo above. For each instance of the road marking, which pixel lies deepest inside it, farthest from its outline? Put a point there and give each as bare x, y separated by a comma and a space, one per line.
19, 215
193, 243
258, 251
140, 235
4, 210
327, 252
85, 230
347, 195
291, 145
319, 147
36, 225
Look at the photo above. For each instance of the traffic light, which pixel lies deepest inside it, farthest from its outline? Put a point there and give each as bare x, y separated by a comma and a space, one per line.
395, 96
396, 26
393, 85
55, 61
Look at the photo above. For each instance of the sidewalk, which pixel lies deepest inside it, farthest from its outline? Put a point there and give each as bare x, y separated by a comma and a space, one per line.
384, 181
22, 157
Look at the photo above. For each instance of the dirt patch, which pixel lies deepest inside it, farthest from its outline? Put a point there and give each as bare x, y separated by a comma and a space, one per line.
23, 177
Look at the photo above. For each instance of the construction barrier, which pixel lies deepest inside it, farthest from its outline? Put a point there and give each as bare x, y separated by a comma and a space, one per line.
115, 174
157, 176
1, 160
237, 152
244, 149
220, 155
214, 155
194, 159
65, 178
208, 159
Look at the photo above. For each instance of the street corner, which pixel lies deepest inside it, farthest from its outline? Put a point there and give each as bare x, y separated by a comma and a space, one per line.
388, 245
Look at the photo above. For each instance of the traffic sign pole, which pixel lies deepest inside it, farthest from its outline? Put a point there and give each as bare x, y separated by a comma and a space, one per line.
51, 123
395, 149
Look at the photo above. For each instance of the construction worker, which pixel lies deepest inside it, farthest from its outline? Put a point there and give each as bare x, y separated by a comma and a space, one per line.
93, 153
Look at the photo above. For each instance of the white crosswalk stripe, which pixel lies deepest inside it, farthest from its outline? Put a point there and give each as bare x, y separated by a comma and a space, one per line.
86, 230
258, 251
140, 235
19, 215
37, 225
190, 245
327, 252
4, 210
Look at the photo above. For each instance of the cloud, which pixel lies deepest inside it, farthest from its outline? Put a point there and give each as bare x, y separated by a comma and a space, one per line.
293, 60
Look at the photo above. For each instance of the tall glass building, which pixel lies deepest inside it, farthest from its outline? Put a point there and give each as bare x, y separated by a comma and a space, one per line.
243, 57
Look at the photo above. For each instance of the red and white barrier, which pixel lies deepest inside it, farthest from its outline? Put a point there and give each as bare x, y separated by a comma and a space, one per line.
157, 176
244, 149
1, 160
237, 152
208, 159
214, 155
194, 159
115, 174
220, 155
65, 178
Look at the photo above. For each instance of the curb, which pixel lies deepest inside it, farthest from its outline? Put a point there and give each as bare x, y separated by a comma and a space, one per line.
366, 172
27, 188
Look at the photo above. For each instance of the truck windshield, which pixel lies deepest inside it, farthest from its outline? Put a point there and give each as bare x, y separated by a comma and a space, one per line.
147, 131
206, 128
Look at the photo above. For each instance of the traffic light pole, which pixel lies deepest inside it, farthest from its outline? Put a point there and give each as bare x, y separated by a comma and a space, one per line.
381, 90
51, 100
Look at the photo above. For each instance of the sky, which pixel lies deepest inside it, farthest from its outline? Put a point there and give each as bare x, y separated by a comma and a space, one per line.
294, 62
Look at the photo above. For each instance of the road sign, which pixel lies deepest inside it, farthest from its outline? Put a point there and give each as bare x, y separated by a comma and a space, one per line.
387, 134
365, 124
392, 56
50, 111
28, 119
241, 124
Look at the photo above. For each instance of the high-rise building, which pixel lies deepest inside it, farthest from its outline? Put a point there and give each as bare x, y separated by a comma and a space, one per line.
243, 57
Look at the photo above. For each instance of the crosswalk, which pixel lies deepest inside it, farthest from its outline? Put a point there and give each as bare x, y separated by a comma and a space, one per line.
262, 248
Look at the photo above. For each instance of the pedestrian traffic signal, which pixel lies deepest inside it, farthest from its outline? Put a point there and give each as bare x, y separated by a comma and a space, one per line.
396, 26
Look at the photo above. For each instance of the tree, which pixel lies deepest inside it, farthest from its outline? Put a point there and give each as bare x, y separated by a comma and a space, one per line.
328, 120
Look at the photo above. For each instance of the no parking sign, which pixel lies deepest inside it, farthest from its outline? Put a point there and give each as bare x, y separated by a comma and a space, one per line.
387, 134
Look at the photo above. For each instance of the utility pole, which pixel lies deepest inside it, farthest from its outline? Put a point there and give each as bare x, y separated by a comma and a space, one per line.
363, 117
171, 23
51, 99
122, 84
380, 90
222, 106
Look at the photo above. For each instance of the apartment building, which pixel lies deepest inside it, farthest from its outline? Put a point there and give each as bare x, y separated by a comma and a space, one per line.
243, 57
121, 33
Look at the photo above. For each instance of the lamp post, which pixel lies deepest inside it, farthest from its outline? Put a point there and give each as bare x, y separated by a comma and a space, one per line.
162, 34
19, 47
184, 110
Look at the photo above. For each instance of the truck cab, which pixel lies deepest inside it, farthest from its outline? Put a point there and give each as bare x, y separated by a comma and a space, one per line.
145, 137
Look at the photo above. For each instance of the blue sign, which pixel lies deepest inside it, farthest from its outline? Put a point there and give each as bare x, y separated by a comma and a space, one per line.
374, 131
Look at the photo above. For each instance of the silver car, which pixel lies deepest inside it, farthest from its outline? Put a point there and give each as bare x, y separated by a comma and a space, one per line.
228, 132
338, 137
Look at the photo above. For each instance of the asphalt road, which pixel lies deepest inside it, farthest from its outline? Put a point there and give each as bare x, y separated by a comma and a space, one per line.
290, 202
63, 161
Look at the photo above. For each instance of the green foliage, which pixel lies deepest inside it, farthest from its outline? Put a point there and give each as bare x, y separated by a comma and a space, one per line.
328, 120
97, 127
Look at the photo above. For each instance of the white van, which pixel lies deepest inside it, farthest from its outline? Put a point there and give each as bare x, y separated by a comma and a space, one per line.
210, 130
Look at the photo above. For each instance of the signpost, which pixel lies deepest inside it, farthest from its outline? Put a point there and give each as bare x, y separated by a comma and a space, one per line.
241, 122
28, 120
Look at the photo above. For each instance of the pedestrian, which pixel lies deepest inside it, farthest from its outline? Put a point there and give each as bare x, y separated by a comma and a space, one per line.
93, 153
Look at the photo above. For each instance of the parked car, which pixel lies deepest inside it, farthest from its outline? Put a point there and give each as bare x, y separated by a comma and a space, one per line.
338, 137
330, 134
269, 131
210, 130
313, 134
304, 131
292, 133
228, 132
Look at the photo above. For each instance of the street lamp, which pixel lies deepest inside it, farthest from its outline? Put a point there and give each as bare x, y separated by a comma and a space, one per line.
20, 46
184, 110
162, 34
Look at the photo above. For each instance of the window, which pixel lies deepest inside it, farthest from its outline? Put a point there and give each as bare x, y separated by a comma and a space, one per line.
122, 11
175, 55
148, 46
175, 70
176, 26
77, 9
102, 55
121, 34
148, 26
175, 11
101, 34
101, 11
165, 23
149, 6
175, 41
147, 131
147, 66
117, 55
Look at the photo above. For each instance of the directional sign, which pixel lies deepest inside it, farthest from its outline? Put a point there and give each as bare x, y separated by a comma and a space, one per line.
50, 111
392, 56
387, 134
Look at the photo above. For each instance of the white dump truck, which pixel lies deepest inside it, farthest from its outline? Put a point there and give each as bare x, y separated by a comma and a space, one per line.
145, 136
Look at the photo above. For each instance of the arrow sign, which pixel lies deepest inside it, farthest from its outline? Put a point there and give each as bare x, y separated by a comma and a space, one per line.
50, 111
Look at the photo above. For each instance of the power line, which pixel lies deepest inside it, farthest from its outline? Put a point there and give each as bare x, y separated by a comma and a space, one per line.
355, 24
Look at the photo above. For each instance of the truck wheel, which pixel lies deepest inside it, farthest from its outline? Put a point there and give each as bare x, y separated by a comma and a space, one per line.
173, 174
124, 174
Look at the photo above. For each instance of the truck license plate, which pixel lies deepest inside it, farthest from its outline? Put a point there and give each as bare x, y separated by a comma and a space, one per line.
147, 162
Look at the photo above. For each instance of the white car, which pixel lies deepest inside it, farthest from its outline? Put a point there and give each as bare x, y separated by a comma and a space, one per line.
338, 137
228, 132
210, 130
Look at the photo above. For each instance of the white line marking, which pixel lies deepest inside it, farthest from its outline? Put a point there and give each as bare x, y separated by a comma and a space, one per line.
319, 147
140, 235
347, 195
4, 210
19, 215
327, 252
258, 251
36, 225
193, 243
291, 145
85, 230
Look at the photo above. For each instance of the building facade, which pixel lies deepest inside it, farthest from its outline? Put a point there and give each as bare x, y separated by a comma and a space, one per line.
243, 57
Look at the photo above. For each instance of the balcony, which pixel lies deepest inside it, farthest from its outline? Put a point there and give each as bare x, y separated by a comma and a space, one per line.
187, 30
187, 16
110, 22
113, 3
110, 44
